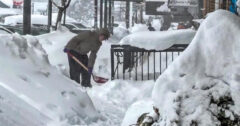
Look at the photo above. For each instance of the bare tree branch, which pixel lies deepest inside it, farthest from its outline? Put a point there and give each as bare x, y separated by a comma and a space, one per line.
55, 4
69, 1
61, 10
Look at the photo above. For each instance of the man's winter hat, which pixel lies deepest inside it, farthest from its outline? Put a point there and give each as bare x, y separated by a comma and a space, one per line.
105, 32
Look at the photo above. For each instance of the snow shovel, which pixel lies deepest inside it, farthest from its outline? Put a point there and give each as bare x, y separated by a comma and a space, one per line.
97, 79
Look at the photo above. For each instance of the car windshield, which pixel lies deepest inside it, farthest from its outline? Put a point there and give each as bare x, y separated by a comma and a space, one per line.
3, 32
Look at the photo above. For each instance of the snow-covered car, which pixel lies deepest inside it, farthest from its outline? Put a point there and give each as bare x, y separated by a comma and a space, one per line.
42, 21
35, 19
5, 12
19, 29
76, 27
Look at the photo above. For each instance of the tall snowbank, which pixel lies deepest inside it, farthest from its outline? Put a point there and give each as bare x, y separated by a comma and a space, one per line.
202, 86
28, 82
54, 43
158, 40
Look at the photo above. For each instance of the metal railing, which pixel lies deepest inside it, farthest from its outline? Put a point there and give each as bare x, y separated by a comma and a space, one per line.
132, 63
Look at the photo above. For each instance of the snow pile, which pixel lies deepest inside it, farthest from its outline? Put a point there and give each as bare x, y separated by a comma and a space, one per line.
114, 98
34, 93
139, 28
202, 86
53, 43
157, 24
158, 40
118, 33
164, 8
136, 110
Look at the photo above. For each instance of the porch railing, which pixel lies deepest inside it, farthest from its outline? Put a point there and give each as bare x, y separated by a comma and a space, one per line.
132, 63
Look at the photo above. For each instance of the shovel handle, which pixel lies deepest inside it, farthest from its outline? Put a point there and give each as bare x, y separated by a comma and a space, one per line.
79, 62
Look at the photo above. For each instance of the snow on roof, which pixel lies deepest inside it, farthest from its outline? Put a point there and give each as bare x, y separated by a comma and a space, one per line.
36, 19
205, 72
158, 40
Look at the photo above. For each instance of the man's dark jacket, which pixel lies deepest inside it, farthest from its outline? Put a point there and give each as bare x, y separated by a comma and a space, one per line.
84, 43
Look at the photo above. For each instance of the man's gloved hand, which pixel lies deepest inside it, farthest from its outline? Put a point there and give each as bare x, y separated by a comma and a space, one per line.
90, 69
66, 50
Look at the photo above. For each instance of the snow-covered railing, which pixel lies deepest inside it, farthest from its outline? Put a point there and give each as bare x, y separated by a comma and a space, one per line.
132, 63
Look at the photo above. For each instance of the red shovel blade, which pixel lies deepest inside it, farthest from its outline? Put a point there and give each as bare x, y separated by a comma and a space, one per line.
99, 79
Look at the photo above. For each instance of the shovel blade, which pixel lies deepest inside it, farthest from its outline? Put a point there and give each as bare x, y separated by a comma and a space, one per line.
99, 80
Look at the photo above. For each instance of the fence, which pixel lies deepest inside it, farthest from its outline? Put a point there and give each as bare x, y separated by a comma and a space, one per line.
134, 63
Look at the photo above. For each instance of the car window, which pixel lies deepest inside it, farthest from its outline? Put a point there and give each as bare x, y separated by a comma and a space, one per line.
79, 25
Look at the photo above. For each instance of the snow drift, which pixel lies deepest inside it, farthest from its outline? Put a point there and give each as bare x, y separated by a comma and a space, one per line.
32, 92
202, 86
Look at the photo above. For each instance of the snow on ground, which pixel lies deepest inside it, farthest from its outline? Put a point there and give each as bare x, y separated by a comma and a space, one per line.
113, 99
202, 86
136, 110
29, 85
158, 40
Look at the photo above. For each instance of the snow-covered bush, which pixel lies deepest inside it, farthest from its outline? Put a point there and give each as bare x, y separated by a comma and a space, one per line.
201, 87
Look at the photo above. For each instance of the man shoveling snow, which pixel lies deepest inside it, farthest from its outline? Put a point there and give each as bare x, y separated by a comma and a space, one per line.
78, 48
